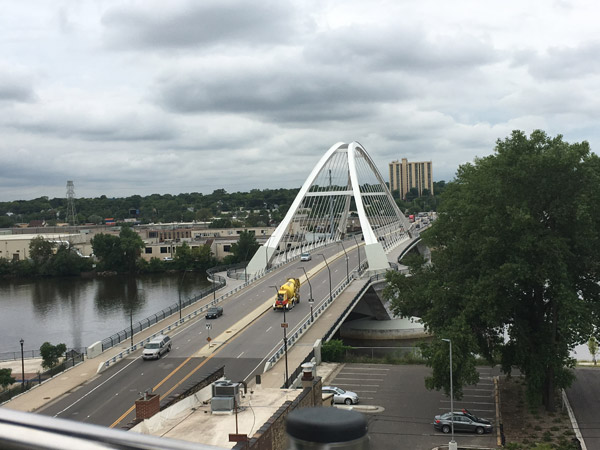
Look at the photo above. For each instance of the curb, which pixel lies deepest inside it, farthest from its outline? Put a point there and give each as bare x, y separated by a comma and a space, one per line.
573, 420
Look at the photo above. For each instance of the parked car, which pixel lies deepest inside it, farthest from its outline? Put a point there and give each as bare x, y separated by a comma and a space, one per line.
157, 347
305, 257
340, 395
214, 312
463, 421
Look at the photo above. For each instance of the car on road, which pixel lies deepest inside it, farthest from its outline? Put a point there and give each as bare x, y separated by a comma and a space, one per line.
214, 312
463, 421
305, 257
157, 347
340, 395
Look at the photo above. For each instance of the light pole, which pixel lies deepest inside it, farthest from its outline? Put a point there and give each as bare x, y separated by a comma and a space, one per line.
131, 313
347, 271
22, 367
311, 300
284, 325
358, 250
452, 445
180, 285
329, 271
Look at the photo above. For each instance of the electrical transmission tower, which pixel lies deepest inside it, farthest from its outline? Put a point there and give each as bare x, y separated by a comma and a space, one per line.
71, 216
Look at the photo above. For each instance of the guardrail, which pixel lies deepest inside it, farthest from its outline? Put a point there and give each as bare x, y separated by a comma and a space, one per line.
304, 326
32, 354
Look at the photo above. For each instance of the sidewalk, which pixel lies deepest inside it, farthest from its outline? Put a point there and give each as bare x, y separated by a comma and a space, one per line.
53, 388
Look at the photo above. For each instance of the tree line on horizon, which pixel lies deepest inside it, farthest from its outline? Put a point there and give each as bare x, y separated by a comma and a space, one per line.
222, 209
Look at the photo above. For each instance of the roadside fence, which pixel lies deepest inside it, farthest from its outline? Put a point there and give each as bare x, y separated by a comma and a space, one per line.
32, 354
73, 358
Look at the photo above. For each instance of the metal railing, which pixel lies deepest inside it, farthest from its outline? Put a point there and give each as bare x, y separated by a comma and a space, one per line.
32, 354
19, 430
297, 332
72, 360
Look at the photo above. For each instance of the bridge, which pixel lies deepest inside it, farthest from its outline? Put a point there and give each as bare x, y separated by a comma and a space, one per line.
347, 262
345, 177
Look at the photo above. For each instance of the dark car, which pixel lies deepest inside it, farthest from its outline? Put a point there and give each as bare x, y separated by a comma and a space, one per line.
463, 421
214, 312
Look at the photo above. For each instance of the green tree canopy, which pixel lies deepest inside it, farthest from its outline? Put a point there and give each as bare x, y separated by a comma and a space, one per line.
244, 248
6, 379
51, 354
514, 271
40, 250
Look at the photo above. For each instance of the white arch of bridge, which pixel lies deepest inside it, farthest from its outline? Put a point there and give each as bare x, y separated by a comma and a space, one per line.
320, 214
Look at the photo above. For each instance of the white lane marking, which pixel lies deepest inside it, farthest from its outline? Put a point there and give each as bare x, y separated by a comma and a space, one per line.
101, 384
268, 329
241, 354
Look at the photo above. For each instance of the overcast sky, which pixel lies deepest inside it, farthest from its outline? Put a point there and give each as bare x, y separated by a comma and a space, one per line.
141, 97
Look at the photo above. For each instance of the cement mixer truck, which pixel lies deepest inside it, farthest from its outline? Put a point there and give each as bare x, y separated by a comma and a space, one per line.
288, 295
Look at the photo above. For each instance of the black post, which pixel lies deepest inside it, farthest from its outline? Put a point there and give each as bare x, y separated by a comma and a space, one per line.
329, 271
284, 326
358, 250
310, 300
347, 270
180, 285
131, 324
22, 367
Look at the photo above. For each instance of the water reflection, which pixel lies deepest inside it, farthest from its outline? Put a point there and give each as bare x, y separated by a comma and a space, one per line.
80, 311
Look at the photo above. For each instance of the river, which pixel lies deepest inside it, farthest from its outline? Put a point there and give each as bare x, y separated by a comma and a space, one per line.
81, 311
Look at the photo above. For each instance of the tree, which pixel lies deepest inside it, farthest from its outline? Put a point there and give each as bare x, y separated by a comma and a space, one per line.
514, 253
245, 247
107, 249
593, 347
6, 379
51, 354
40, 250
131, 245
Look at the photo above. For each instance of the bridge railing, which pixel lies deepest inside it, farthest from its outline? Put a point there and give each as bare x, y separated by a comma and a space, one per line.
299, 330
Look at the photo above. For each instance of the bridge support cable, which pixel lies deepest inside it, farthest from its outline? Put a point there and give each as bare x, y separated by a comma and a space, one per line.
344, 194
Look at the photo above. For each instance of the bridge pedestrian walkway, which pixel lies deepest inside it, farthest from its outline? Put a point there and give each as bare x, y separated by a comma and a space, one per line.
48, 391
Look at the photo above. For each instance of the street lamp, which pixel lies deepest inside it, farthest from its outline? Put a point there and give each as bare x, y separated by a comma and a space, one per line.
347, 272
22, 367
358, 250
284, 325
180, 285
328, 270
137, 289
452, 445
311, 300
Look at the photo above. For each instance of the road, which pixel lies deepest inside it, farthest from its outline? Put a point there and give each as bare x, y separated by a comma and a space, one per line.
584, 399
108, 399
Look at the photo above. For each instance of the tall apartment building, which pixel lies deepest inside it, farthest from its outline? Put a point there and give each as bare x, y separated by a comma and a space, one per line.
406, 175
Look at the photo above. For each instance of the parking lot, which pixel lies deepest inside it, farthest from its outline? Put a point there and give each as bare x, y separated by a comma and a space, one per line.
404, 411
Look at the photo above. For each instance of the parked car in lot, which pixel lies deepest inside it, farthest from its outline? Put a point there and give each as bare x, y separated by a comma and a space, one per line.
340, 395
157, 347
305, 257
214, 312
463, 421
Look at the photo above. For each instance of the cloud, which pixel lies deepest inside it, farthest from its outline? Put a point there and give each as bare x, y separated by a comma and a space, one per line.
15, 85
159, 25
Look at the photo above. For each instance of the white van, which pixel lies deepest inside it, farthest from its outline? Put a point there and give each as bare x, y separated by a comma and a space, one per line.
157, 347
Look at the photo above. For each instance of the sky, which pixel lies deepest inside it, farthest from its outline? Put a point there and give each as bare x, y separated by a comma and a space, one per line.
140, 97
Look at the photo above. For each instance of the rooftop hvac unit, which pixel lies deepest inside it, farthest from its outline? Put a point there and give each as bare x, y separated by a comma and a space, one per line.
221, 404
225, 388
